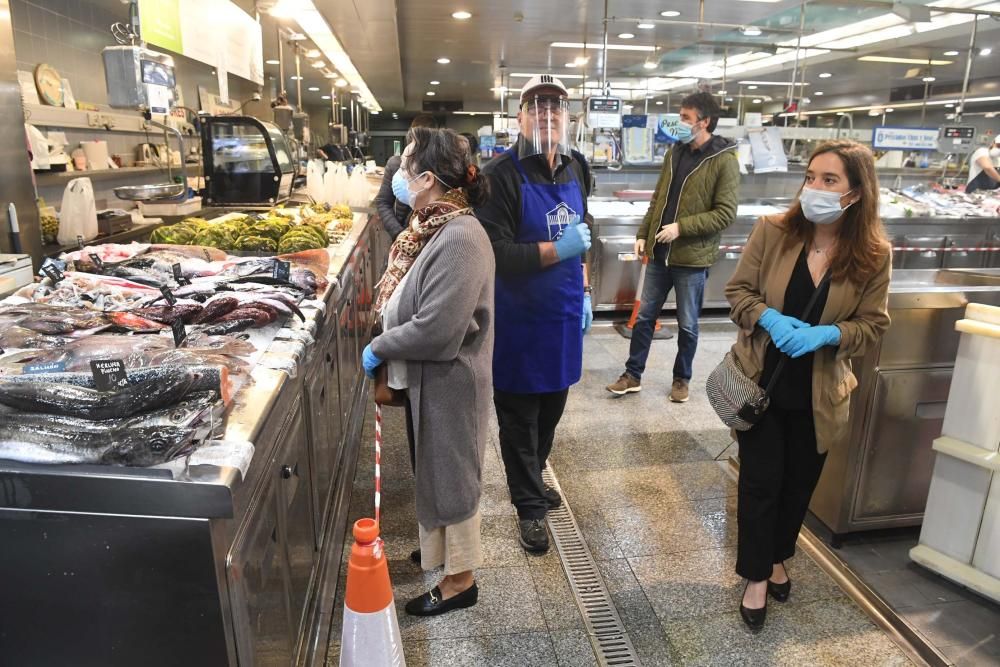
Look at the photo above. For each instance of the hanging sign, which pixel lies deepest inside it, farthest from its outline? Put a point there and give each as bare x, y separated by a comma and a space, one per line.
904, 138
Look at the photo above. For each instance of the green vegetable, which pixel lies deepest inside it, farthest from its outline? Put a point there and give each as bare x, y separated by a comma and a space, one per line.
222, 236
256, 243
272, 228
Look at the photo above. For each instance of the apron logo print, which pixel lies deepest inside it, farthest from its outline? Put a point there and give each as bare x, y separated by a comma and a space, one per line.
559, 218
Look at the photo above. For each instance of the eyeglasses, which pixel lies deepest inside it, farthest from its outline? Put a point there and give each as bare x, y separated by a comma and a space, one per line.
551, 105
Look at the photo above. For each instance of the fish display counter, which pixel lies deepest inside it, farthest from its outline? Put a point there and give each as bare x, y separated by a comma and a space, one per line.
179, 429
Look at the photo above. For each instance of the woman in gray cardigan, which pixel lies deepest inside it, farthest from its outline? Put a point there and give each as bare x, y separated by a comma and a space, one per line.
436, 302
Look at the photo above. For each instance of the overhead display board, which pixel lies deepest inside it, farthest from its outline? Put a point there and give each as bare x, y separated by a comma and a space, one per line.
905, 138
215, 32
957, 139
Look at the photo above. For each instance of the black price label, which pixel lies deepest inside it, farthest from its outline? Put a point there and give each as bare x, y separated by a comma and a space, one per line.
179, 277
168, 295
180, 333
109, 374
79, 241
52, 273
282, 270
96, 259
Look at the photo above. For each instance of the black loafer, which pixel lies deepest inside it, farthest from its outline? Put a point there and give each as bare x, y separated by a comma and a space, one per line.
415, 556
431, 604
553, 497
779, 591
753, 618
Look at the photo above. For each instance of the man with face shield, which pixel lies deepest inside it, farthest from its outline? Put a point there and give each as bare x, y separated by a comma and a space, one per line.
537, 219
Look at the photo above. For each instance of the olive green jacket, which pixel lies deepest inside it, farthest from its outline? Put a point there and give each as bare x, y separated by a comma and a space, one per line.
708, 200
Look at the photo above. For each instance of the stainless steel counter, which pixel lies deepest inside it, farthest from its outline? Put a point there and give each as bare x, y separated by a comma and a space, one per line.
111, 566
879, 478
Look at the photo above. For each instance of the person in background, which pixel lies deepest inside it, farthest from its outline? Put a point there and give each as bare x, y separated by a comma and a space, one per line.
694, 200
473, 146
536, 220
436, 301
983, 173
391, 210
331, 152
830, 240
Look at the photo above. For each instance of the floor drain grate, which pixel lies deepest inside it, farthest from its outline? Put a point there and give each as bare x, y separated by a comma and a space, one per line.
611, 643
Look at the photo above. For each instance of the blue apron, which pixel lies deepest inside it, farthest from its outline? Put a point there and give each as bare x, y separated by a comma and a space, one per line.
539, 335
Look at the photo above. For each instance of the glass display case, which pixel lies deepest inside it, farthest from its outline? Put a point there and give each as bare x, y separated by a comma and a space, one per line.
247, 162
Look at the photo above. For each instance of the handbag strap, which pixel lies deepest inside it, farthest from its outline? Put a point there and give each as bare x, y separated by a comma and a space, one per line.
805, 314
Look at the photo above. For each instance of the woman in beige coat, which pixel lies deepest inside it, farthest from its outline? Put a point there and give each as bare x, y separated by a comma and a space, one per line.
830, 241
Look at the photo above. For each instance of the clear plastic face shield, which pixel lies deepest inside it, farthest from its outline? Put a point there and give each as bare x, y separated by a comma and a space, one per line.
544, 120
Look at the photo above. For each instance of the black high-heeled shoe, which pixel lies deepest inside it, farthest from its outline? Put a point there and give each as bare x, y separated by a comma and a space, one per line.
780, 592
754, 618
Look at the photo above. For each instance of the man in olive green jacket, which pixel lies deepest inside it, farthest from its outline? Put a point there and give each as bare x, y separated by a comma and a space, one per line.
695, 199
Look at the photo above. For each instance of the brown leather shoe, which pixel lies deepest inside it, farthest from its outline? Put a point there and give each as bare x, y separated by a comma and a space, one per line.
679, 391
626, 384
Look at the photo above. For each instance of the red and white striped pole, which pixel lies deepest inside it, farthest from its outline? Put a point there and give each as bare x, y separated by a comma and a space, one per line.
638, 297
378, 464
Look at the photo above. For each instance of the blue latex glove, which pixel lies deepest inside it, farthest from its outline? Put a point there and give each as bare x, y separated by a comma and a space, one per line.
575, 241
588, 314
370, 361
804, 341
780, 327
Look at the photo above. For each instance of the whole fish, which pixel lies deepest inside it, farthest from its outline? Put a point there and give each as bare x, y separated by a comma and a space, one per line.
188, 313
207, 378
55, 443
215, 309
133, 322
74, 401
261, 313
230, 326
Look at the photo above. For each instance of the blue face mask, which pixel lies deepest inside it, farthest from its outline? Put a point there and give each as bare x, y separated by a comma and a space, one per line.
683, 133
400, 188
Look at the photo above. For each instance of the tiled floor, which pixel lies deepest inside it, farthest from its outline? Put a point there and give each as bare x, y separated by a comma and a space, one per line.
658, 513
963, 625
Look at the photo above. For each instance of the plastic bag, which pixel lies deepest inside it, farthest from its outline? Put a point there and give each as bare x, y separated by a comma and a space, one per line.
78, 214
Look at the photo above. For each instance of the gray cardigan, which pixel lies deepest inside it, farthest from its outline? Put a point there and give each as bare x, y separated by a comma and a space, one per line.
445, 333
392, 212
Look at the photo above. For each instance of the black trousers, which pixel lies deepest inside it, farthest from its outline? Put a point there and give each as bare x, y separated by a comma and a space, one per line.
779, 470
527, 428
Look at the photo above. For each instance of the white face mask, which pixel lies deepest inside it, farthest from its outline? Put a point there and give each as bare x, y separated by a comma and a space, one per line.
822, 207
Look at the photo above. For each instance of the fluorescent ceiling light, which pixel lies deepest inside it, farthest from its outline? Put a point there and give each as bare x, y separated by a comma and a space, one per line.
751, 31
595, 46
435, 83
461, 15
528, 75
295, 78
374, 113
670, 13
889, 110
929, 79
340, 83
431, 93
319, 64
907, 61
580, 60
313, 89
571, 65
825, 75
626, 35
313, 53
951, 53
948, 104
757, 100
324, 97
330, 75
649, 64
985, 52
818, 93
646, 26
659, 102
443, 61
768, 1
314, 24
751, 87
771, 83
272, 62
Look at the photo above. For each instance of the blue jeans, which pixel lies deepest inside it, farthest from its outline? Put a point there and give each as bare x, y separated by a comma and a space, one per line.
690, 286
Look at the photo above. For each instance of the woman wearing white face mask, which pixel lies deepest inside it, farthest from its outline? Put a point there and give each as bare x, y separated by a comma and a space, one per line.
812, 286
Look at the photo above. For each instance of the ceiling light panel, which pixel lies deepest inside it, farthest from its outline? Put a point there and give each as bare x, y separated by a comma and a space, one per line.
905, 61
595, 46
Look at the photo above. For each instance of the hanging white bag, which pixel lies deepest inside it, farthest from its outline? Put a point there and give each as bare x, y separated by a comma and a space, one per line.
78, 214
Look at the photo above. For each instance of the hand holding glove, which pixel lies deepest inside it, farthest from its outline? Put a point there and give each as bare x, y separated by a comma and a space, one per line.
575, 241
370, 361
804, 341
780, 327
588, 313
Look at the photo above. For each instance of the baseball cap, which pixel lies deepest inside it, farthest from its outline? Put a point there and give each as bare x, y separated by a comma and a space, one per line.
542, 81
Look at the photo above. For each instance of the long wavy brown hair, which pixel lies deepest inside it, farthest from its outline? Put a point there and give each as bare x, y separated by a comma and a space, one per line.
863, 246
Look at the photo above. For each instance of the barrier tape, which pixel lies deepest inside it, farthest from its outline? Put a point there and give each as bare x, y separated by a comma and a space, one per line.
739, 248
378, 464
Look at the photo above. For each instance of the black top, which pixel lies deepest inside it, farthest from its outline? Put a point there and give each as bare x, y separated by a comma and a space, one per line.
793, 389
686, 159
501, 215
392, 212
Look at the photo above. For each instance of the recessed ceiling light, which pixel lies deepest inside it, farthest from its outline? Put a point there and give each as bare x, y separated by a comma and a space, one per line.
581, 60
435, 83
670, 13
272, 62
722, 92
729, 99
571, 65
825, 75
757, 100
985, 52
313, 53
324, 97
751, 87
313, 89
330, 75
818, 93
341, 83
929, 79
431, 93
646, 26
649, 64
889, 110
874, 112
295, 78
626, 35
374, 113
751, 31
659, 102
343, 107
444, 61
318, 64
461, 15
951, 53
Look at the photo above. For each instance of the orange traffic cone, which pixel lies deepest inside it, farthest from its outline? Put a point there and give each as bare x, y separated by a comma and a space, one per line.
371, 630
